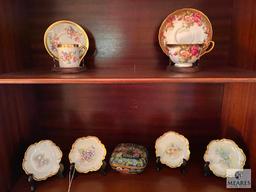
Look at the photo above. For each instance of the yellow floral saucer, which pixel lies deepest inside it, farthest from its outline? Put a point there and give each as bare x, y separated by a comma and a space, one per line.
65, 32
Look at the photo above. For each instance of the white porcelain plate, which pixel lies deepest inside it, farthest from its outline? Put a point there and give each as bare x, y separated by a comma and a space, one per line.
87, 153
172, 148
42, 160
65, 32
185, 26
222, 155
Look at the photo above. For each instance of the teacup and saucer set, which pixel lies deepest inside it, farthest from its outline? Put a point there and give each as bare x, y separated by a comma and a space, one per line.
67, 43
185, 36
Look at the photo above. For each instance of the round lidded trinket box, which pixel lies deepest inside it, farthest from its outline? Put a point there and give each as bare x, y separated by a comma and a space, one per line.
129, 158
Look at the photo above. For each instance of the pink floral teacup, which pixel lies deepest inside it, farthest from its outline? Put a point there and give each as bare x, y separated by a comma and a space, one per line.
69, 55
184, 55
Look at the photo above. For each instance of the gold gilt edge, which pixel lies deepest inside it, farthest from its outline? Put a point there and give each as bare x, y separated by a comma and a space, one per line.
72, 23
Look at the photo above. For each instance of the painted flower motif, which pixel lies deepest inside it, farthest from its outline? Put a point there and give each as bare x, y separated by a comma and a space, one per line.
197, 18
173, 150
54, 39
187, 18
169, 22
194, 50
225, 157
73, 34
41, 161
69, 57
87, 154
123, 170
66, 56
75, 59
185, 53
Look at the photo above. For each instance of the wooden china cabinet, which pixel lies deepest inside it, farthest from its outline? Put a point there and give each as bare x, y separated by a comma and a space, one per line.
126, 94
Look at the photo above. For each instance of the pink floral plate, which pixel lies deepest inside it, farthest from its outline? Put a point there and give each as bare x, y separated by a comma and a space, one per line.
185, 26
87, 154
65, 32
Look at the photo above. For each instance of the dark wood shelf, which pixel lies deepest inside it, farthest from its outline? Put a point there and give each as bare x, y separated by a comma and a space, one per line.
129, 75
166, 180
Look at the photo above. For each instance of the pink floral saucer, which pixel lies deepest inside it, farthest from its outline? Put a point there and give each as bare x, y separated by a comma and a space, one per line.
65, 32
185, 26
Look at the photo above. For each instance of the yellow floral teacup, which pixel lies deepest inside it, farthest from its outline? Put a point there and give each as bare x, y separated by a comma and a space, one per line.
69, 55
184, 55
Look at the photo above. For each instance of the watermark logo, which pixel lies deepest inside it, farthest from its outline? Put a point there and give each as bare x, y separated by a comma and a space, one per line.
238, 178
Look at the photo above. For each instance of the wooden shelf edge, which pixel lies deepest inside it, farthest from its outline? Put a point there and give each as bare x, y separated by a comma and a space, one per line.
124, 80
129, 76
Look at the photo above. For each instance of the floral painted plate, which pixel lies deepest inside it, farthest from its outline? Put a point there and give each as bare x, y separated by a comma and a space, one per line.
185, 26
223, 155
65, 32
42, 160
172, 148
87, 153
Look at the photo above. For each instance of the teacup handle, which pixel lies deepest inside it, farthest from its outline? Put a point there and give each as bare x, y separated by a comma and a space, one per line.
82, 48
211, 45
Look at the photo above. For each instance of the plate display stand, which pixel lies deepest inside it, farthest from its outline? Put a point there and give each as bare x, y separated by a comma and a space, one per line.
183, 167
32, 182
102, 170
193, 69
158, 164
207, 171
70, 70
72, 173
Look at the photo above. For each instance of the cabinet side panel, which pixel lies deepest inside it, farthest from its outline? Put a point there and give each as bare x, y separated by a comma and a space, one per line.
14, 41
239, 107
16, 106
14, 102
238, 119
244, 30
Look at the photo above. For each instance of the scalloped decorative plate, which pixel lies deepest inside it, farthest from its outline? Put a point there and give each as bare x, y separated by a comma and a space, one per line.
222, 155
172, 148
185, 26
65, 32
87, 153
42, 160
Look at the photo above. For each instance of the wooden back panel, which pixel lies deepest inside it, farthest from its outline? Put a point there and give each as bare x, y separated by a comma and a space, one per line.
125, 33
129, 113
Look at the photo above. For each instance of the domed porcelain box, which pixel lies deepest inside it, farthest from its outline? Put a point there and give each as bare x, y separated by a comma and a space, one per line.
129, 158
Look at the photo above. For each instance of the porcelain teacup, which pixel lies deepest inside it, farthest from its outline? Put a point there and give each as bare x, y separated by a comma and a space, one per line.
69, 55
184, 55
